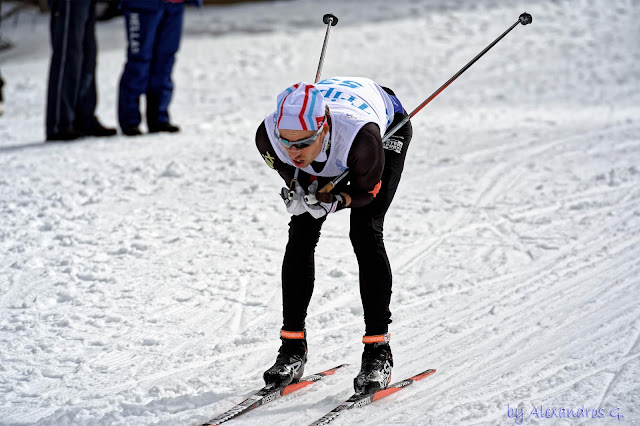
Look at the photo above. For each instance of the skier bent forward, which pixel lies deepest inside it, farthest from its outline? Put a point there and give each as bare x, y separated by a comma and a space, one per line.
323, 130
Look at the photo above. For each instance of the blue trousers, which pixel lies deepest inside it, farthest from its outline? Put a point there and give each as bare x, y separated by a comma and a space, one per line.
71, 95
153, 40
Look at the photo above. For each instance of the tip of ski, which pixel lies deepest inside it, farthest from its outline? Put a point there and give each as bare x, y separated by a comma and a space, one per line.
360, 400
267, 394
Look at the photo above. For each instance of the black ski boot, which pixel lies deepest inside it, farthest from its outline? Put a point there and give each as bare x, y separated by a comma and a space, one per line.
1, 97
377, 362
292, 357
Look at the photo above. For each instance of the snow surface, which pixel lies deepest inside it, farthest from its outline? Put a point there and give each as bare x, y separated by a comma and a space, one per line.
140, 277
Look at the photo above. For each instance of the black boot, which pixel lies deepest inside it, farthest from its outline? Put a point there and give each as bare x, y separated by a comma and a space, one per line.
95, 128
289, 365
1, 97
163, 127
377, 362
65, 135
153, 122
131, 131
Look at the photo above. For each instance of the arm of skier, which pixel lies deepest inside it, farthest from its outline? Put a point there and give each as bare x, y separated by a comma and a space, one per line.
270, 157
293, 193
366, 162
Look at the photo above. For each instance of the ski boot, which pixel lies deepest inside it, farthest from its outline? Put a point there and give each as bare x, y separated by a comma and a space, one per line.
377, 362
1, 97
292, 357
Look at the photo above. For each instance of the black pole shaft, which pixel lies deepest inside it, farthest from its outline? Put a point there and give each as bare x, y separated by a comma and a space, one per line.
330, 20
524, 20
330, 23
445, 85
466, 67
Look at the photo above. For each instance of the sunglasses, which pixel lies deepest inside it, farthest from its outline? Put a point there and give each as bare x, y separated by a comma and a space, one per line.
302, 143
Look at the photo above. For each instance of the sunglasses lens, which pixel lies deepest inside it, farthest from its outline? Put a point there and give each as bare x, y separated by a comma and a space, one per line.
301, 143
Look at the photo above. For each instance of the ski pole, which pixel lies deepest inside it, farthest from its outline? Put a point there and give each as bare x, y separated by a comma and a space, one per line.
331, 21
524, 19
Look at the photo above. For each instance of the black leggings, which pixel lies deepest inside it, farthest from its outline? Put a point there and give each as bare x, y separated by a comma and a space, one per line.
366, 234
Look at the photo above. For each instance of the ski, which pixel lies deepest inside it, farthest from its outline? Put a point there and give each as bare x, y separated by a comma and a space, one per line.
360, 400
268, 394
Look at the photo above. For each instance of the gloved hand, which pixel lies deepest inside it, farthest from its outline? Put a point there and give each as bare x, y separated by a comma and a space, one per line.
317, 208
294, 199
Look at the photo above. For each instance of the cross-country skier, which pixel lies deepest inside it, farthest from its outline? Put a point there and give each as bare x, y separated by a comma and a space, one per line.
319, 131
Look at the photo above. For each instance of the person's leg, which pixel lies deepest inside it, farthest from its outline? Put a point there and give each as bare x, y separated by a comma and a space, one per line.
85, 116
1, 93
67, 41
85, 107
141, 26
366, 235
375, 271
160, 89
298, 270
1, 79
297, 288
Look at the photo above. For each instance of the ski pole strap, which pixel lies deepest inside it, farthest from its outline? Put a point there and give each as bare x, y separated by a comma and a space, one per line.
380, 338
298, 335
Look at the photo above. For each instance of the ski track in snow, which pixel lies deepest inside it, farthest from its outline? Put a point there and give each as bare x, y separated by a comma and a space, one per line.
140, 277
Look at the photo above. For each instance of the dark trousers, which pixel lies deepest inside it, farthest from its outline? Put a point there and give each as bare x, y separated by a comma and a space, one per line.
71, 95
366, 234
153, 41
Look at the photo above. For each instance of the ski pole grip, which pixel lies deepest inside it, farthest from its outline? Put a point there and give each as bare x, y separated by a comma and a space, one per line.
327, 188
330, 18
525, 18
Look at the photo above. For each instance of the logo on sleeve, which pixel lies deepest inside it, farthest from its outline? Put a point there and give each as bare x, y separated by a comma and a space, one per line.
269, 159
376, 189
394, 144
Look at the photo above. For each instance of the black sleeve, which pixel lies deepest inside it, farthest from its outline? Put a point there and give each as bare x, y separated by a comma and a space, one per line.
270, 157
366, 162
